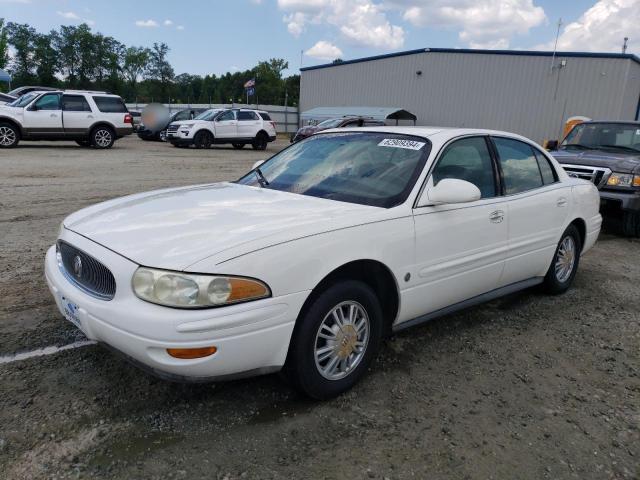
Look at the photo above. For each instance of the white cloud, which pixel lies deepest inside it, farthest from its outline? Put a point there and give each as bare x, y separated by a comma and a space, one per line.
180, 27
167, 23
69, 15
324, 51
146, 23
602, 28
360, 22
480, 23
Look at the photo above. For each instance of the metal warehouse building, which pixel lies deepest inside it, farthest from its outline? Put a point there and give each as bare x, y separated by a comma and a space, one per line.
531, 93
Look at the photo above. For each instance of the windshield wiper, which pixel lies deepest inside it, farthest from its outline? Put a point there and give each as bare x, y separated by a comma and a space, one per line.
621, 147
261, 178
577, 145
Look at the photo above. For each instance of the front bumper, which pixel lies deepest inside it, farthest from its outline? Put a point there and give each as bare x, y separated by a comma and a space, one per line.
251, 338
622, 200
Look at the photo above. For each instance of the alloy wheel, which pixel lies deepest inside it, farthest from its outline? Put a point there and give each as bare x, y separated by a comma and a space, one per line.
565, 259
7, 136
103, 138
341, 340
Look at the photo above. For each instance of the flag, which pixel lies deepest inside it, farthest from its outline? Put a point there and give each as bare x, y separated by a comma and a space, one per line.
250, 83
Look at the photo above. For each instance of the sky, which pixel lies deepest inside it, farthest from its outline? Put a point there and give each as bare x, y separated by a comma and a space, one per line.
217, 36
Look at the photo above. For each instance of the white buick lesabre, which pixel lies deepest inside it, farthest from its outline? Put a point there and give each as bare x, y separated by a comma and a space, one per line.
309, 260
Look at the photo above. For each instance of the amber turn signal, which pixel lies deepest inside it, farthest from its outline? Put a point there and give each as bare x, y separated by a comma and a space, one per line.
191, 353
636, 180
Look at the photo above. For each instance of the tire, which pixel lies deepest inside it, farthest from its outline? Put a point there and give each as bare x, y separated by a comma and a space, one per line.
564, 265
238, 146
307, 352
631, 224
9, 135
260, 142
203, 139
162, 135
102, 137
83, 143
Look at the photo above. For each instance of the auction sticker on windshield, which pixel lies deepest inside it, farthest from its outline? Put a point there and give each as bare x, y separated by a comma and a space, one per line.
399, 143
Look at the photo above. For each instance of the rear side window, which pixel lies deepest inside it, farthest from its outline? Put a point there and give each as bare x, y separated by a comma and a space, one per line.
549, 174
75, 103
519, 165
468, 159
110, 104
242, 115
265, 116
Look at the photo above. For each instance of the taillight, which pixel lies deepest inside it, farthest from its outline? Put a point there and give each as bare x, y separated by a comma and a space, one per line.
273, 124
128, 119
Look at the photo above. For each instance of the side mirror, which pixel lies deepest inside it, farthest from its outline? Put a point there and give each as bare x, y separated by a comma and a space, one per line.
551, 145
452, 190
257, 164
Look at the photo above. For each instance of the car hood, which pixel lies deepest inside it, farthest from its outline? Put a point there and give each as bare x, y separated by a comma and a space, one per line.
176, 228
616, 161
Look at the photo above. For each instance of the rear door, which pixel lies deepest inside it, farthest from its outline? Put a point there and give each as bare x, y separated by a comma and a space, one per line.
77, 116
226, 125
538, 206
44, 117
248, 124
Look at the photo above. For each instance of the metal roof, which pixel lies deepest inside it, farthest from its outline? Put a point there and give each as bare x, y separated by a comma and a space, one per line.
4, 76
376, 113
525, 53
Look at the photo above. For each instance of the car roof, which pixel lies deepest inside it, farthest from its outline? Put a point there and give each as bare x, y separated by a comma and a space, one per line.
625, 122
427, 131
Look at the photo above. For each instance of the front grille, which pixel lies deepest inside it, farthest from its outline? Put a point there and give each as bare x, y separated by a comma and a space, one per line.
596, 175
87, 273
172, 128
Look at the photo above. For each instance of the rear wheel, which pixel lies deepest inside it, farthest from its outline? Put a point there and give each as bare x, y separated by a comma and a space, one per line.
9, 135
335, 340
564, 265
102, 137
631, 224
260, 142
238, 145
203, 139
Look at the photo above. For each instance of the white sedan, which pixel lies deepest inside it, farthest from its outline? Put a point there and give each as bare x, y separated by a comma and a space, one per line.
311, 258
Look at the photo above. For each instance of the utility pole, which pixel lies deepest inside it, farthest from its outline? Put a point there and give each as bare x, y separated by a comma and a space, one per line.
625, 44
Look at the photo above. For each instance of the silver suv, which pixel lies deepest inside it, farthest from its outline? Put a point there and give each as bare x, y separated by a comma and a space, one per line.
94, 119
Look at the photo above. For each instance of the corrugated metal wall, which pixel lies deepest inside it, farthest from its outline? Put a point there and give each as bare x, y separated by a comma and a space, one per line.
521, 93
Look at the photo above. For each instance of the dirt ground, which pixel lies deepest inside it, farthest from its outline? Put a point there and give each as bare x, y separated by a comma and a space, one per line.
526, 387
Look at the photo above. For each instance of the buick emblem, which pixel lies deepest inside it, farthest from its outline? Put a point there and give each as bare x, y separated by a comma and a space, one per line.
77, 266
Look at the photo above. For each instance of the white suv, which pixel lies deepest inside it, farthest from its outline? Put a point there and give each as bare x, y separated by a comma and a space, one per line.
235, 126
90, 118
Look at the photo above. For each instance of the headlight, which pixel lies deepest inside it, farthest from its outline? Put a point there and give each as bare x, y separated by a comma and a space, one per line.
187, 290
186, 126
623, 180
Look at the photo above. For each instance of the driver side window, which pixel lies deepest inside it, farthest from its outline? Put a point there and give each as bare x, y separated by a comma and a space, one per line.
468, 159
50, 101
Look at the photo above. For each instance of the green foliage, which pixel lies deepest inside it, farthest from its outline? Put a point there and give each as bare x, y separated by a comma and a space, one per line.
76, 57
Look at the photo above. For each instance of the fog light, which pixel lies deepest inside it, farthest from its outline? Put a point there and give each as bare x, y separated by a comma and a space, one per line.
190, 353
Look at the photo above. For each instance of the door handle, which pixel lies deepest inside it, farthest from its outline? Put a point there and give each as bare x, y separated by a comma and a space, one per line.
497, 216
89, 116
53, 115
562, 202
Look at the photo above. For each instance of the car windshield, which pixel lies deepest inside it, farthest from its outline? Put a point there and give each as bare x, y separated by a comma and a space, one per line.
23, 100
369, 168
207, 115
621, 136
332, 122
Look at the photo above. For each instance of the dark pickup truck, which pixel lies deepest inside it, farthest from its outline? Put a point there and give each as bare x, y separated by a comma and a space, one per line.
607, 154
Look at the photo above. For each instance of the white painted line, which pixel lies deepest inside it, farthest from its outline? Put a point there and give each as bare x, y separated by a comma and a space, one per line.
44, 351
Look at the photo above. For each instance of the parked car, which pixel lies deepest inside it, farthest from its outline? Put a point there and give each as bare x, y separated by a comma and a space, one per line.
608, 155
18, 92
235, 126
341, 122
146, 132
6, 98
89, 118
308, 260
136, 117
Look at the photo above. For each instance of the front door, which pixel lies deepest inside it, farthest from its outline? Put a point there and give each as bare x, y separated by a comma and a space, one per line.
226, 125
44, 117
460, 248
77, 116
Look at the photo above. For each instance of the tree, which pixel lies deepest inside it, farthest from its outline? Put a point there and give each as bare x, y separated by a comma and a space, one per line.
4, 44
136, 61
46, 58
159, 70
22, 38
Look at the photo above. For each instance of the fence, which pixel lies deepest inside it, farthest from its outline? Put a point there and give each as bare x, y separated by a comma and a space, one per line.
286, 118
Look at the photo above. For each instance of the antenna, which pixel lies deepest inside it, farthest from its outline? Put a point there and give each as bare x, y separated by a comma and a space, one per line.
625, 44
555, 45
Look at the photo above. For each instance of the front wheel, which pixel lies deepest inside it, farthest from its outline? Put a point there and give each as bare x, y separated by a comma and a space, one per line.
102, 137
162, 135
564, 265
9, 135
260, 142
203, 139
335, 340
631, 224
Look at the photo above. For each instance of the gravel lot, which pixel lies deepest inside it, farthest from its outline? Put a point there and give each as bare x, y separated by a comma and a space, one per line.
526, 387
